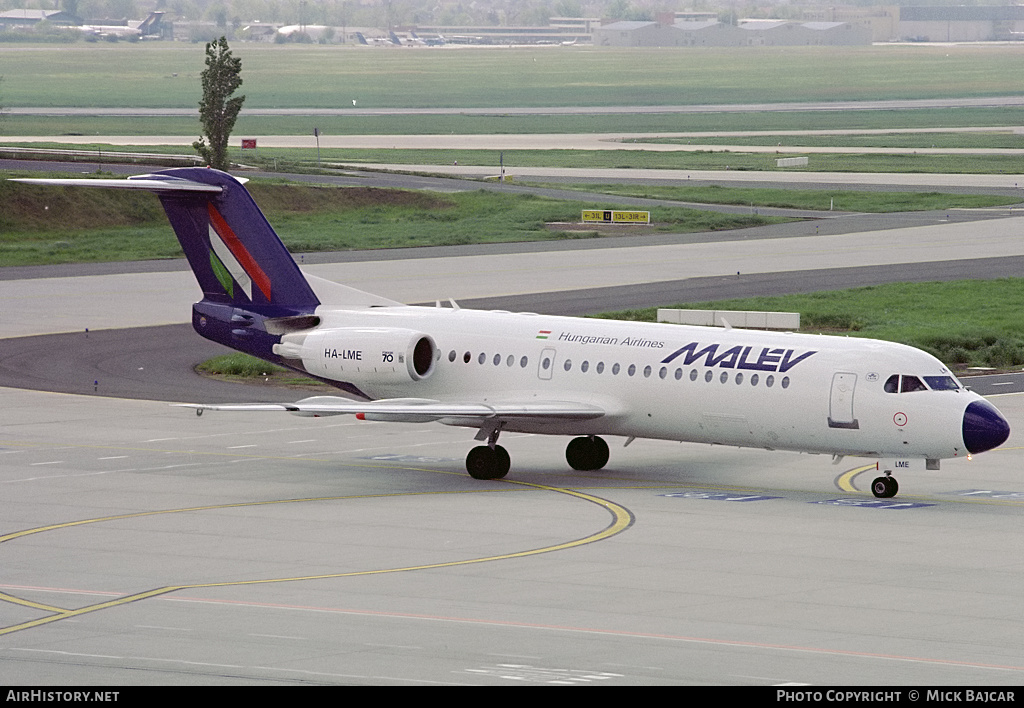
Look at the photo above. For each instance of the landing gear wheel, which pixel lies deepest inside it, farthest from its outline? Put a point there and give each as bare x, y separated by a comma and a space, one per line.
885, 487
485, 462
587, 454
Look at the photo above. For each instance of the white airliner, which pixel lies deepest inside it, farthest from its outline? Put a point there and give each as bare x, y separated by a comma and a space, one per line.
129, 30
501, 371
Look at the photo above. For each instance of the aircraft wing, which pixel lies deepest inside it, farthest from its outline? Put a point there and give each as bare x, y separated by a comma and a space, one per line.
418, 410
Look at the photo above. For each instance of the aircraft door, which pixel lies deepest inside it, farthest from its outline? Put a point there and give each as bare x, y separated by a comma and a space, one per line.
840, 409
547, 364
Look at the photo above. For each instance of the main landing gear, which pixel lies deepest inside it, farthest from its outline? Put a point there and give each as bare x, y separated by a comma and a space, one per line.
486, 462
587, 454
885, 487
491, 461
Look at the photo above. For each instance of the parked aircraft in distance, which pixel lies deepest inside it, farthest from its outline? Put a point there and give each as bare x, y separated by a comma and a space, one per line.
414, 40
376, 41
436, 40
148, 26
500, 371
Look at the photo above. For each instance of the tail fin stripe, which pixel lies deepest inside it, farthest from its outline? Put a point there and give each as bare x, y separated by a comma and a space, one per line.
226, 266
242, 256
223, 275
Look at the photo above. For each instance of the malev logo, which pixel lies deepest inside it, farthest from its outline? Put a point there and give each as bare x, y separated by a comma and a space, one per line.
739, 357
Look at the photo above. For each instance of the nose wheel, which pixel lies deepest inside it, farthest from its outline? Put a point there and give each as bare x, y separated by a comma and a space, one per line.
885, 487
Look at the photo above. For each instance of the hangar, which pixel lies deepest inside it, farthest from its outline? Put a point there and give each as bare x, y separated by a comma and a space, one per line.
962, 23
748, 33
31, 18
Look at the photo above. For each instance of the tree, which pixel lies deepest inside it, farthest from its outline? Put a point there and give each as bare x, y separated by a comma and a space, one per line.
218, 111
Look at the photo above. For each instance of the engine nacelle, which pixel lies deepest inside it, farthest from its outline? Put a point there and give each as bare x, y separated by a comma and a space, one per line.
365, 356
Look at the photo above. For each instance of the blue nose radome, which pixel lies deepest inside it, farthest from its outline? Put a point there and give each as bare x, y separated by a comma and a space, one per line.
984, 427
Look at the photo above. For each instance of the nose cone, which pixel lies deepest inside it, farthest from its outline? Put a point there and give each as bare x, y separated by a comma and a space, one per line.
984, 427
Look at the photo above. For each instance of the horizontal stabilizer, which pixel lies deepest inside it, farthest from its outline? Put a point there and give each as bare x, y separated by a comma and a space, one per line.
151, 183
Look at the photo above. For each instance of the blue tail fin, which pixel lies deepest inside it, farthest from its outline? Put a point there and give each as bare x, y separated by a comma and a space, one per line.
235, 254
252, 289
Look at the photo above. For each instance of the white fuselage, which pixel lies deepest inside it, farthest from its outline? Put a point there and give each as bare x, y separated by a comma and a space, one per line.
748, 388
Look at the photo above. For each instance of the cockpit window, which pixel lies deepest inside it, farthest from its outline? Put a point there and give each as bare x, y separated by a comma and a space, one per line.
912, 383
909, 384
941, 383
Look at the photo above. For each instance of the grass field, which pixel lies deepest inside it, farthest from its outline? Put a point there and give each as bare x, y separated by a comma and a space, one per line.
41, 225
44, 225
305, 159
312, 76
963, 323
994, 139
821, 200
13, 125
307, 77
683, 160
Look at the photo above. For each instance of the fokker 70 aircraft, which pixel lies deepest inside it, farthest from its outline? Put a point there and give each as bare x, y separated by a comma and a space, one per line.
502, 371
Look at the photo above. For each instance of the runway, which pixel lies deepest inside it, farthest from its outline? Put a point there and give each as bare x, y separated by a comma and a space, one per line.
141, 544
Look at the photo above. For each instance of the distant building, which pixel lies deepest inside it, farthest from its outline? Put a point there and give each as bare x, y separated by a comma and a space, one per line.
259, 32
706, 33
634, 33
578, 25
564, 33
31, 18
983, 23
749, 33
777, 33
881, 20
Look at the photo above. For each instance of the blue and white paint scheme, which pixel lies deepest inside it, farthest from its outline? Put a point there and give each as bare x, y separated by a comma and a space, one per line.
502, 371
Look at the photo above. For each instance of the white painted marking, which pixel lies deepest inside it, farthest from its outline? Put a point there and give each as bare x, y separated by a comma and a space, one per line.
278, 636
69, 653
170, 629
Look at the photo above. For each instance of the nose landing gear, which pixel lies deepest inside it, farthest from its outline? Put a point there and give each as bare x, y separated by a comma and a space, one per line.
885, 487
